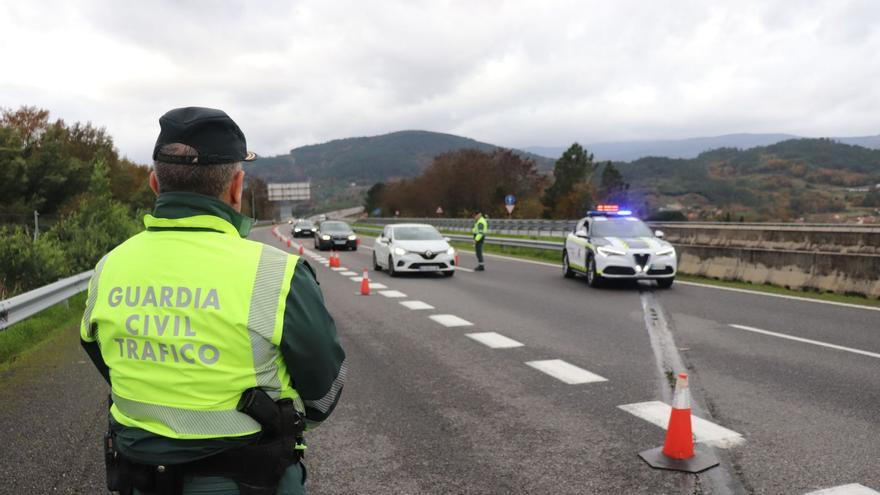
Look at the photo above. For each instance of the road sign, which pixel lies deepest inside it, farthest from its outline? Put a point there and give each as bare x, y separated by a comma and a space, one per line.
509, 208
289, 191
439, 210
510, 200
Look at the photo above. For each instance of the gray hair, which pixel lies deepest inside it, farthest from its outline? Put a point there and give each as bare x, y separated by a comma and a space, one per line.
210, 180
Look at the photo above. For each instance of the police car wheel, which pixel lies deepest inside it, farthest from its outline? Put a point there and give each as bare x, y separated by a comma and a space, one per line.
391, 270
593, 278
376, 264
665, 283
566, 268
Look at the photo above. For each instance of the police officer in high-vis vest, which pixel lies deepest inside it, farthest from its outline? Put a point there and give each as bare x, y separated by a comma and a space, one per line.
479, 230
219, 350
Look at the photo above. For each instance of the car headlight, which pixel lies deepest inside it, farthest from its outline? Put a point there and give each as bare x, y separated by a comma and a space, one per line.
352, 237
399, 251
607, 251
325, 237
297, 229
666, 252
450, 251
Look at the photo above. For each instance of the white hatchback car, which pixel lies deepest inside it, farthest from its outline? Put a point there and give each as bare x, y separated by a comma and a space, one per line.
413, 247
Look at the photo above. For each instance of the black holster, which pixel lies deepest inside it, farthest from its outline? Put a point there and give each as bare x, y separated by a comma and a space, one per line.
256, 469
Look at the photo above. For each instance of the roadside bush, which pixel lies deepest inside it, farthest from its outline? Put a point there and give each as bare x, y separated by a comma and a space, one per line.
25, 264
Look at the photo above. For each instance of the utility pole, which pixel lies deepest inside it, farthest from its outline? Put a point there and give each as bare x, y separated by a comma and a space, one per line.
36, 225
253, 210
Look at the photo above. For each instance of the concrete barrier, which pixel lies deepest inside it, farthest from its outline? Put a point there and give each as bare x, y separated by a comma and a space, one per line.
836, 259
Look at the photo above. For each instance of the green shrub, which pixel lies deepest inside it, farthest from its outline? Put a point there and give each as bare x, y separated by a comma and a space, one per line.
26, 264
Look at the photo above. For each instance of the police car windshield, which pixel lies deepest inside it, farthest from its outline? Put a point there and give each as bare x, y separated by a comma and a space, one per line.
417, 234
620, 227
335, 227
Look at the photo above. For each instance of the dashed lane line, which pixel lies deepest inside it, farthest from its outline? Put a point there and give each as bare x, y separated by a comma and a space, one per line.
494, 340
464, 269
348, 273
451, 321
566, 372
807, 341
658, 413
373, 285
392, 293
850, 489
339, 269
416, 305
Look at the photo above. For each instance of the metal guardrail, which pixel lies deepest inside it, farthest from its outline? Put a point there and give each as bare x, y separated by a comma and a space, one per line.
506, 241
16, 309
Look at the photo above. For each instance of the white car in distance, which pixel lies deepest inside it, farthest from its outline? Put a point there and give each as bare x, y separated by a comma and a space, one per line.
413, 247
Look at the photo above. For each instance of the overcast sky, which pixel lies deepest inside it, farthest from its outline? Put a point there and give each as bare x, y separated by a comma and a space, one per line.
510, 73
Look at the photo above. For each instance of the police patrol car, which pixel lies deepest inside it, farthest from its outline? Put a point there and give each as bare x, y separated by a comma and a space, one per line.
610, 243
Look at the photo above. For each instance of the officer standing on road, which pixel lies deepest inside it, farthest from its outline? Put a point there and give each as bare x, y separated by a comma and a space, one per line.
219, 350
481, 228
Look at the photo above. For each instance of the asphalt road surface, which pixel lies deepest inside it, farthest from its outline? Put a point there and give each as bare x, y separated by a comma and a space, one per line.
516, 380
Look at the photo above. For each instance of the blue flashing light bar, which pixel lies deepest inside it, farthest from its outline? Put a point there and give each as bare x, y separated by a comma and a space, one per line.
608, 210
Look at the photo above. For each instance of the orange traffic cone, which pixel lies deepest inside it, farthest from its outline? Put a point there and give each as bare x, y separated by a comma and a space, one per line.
334, 261
678, 452
302, 250
289, 243
365, 284
456, 258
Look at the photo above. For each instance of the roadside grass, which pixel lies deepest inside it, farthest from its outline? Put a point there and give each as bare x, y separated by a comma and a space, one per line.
26, 336
552, 256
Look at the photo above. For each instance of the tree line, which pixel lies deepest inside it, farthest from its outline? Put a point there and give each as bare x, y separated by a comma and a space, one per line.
457, 183
87, 198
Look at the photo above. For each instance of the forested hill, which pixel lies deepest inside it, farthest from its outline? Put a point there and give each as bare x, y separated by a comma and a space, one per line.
369, 159
791, 178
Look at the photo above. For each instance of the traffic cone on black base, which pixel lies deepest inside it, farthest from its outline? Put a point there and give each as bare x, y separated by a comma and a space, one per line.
678, 452
302, 250
365, 284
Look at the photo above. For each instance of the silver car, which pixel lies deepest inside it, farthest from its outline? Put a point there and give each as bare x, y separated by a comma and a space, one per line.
413, 247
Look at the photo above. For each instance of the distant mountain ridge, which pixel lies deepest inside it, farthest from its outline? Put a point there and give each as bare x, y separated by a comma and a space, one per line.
626, 151
370, 159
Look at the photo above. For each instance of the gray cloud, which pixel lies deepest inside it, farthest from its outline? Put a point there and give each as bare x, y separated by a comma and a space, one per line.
512, 73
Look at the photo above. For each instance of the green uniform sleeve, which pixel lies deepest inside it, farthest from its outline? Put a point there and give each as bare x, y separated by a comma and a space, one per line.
310, 347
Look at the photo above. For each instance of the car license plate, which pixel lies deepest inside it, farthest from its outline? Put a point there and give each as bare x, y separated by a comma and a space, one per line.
658, 266
338, 242
429, 268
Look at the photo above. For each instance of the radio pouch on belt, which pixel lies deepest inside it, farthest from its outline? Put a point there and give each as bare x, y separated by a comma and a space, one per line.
256, 469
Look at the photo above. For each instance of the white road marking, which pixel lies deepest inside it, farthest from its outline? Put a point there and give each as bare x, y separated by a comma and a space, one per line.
348, 273
339, 269
373, 285
850, 489
392, 293
783, 296
451, 321
707, 432
464, 269
807, 341
416, 305
494, 340
566, 372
